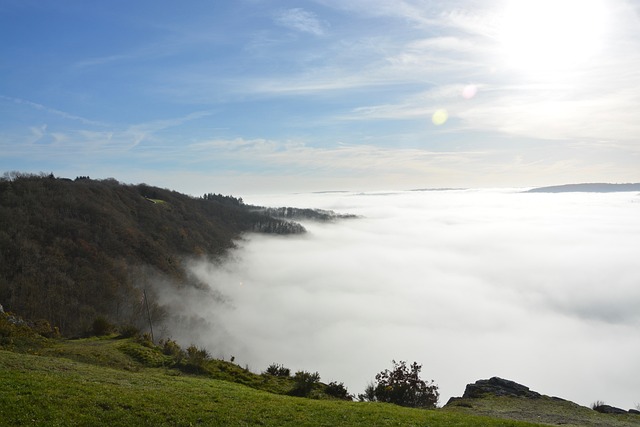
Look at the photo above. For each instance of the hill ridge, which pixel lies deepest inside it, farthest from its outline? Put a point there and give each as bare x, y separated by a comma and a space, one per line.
587, 188
72, 251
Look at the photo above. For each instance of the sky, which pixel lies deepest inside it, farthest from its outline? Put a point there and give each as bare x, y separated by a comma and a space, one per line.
541, 289
252, 96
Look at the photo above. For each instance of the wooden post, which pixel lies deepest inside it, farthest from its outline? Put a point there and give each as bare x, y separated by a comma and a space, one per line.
146, 303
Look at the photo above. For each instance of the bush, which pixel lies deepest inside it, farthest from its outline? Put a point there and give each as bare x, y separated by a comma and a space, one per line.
194, 360
145, 340
304, 382
278, 370
129, 331
43, 327
171, 348
13, 326
148, 356
17, 334
197, 356
338, 390
369, 394
101, 327
403, 386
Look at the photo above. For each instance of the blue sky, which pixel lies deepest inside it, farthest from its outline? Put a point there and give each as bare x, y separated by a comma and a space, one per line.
252, 96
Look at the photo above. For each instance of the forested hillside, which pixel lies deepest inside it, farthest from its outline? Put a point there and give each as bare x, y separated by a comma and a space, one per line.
72, 251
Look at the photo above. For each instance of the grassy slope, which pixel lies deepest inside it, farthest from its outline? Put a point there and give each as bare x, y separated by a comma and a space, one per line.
92, 382
544, 410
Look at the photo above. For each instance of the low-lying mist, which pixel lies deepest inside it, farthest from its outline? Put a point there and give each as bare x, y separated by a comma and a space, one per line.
542, 289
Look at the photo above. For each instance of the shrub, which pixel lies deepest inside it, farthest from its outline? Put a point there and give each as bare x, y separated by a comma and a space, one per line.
369, 394
403, 386
194, 360
43, 327
145, 340
304, 382
15, 333
171, 348
13, 326
101, 326
278, 370
338, 390
148, 356
129, 331
197, 356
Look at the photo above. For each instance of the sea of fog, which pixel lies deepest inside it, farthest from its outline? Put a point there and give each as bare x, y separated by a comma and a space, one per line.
542, 289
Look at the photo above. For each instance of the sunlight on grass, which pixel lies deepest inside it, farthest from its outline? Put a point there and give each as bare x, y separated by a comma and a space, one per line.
39, 390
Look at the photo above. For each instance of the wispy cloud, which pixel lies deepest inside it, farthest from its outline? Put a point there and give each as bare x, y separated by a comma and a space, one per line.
147, 130
103, 60
415, 12
482, 165
339, 158
381, 60
319, 82
96, 139
595, 102
302, 20
49, 110
556, 112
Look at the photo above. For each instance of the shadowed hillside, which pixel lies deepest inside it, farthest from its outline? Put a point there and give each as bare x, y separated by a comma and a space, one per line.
72, 251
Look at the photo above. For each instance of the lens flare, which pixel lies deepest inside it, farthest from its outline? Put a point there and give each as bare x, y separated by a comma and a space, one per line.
440, 117
469, 91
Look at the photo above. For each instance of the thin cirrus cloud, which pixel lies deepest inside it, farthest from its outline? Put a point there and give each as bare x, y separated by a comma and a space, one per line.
584, 104
53, 111
342, 158
111, 141
301, 20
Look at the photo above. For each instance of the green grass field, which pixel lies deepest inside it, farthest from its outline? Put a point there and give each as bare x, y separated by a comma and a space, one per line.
121, 382
93, 382
546, 410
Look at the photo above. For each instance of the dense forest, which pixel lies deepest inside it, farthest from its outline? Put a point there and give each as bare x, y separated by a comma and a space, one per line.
73, 251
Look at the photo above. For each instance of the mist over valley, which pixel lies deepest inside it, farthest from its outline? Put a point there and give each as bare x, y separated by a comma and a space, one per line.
539, 288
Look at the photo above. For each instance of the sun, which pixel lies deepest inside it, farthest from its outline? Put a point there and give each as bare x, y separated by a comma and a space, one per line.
541, 36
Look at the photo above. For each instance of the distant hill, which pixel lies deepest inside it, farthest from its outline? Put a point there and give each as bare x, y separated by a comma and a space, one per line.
75, 250
586, 188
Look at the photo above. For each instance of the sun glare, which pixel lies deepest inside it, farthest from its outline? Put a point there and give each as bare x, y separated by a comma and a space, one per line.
551, 35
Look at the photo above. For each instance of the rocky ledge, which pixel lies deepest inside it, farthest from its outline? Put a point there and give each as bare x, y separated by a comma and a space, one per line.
498, 387
506, 388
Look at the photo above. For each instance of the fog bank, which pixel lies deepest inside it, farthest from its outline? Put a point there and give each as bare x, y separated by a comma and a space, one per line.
543, 289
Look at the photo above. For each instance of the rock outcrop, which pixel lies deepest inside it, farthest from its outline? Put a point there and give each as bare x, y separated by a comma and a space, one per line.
498, 387
608, 409
506, 388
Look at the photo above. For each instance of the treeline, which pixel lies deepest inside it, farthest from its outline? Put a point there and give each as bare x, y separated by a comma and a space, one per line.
301, 214
72, 251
